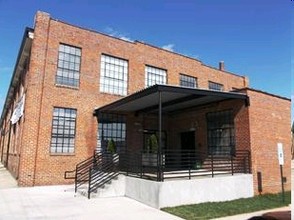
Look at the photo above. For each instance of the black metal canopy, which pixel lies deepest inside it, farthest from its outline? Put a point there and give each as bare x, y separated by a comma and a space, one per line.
173, 98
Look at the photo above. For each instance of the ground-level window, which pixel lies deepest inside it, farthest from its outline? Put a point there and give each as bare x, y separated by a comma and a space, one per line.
113, 75
154, 76
68, 67
63, 130
221, 132
111, 127
215, 86
188, 81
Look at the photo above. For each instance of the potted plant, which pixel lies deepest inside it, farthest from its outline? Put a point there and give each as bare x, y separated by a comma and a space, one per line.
149, 158
111, 151
111, 148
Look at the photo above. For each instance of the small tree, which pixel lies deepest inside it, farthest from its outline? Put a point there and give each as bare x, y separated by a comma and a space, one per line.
152, 144
111, 146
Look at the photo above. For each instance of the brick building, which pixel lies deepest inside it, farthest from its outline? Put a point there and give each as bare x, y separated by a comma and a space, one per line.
64, 72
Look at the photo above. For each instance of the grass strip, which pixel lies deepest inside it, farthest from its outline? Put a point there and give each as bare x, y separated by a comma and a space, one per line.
211, 210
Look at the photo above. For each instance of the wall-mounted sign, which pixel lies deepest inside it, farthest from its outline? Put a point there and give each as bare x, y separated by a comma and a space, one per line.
280, 154
18, 110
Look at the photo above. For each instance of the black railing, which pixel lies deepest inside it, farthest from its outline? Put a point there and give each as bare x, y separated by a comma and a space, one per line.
94, 171
81, 173
103, 167
108, 170
175, 164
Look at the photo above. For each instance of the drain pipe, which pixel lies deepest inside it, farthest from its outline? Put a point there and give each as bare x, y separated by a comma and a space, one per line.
3, 133
8, 146
9, 137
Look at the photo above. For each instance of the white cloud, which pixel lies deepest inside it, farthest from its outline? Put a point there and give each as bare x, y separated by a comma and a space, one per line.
169, 47
114, 33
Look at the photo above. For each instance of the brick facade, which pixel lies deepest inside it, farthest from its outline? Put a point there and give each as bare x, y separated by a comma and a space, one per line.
269, 122
30, 159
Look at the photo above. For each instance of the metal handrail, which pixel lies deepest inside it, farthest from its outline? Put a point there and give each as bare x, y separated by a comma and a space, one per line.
107, 172
185, 164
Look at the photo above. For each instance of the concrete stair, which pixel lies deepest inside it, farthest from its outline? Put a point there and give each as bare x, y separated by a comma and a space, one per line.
113, 188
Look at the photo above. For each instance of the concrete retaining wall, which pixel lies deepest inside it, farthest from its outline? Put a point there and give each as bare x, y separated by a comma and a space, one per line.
182, 192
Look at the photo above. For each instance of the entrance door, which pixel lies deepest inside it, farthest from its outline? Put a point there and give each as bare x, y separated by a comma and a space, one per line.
187, 148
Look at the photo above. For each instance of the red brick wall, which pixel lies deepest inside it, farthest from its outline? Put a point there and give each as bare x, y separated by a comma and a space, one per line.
184, 121
270, 123
11, 140
37, 165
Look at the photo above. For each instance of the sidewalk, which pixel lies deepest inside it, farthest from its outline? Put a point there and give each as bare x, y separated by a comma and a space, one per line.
6, 180
59, 202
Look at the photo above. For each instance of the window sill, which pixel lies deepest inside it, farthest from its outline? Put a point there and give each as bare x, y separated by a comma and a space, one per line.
112, 94
66, 86
62, 154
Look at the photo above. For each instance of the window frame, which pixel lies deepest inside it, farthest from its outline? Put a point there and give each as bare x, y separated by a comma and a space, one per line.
107, 82
112, 127
147, 80
186, 81
62, 136
221, 137
214, 86
67, 57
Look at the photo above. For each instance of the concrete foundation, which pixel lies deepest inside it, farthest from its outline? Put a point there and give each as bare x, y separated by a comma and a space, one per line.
183, 192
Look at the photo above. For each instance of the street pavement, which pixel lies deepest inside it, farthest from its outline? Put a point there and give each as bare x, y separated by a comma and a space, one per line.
6, 180
60, 202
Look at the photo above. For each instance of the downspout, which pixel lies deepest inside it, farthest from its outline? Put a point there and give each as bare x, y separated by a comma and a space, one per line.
3, 141
8, 146
9, 137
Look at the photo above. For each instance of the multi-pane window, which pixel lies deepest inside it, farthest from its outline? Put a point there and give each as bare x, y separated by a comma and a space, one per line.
68, 68
221, 132
154, 76
111, 127
113, 75
188, 81
215, 86
63, 130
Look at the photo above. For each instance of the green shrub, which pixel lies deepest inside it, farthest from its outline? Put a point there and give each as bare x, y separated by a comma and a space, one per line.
111, 148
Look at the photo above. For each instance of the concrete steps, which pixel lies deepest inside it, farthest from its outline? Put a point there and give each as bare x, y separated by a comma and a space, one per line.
114, 188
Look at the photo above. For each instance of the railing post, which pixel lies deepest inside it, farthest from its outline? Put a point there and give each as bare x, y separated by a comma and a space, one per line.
232, 165
141, 167
89, 187
212, 174
76, 179
158, 169
244, 165
127, 158
249, 161
189, 165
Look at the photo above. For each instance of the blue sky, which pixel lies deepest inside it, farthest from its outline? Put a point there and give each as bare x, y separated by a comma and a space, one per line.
252, 37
